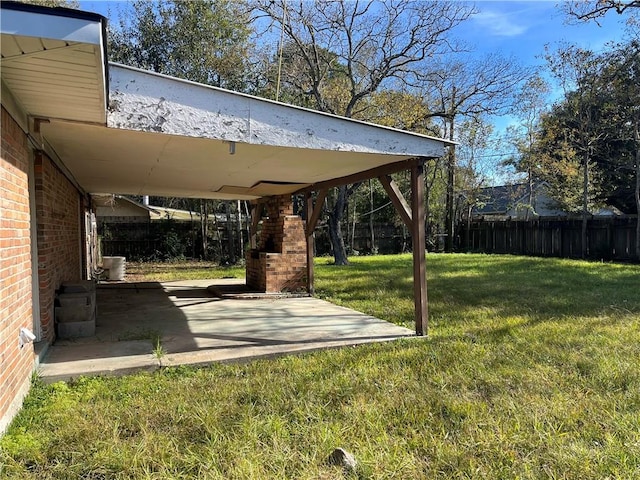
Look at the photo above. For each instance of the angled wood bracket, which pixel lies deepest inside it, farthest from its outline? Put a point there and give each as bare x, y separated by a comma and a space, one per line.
396, 197
313, 214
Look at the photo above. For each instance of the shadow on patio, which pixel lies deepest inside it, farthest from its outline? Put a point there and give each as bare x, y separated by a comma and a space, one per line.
195, 327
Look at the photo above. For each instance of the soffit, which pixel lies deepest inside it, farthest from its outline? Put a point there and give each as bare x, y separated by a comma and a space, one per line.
109, 160
54, 65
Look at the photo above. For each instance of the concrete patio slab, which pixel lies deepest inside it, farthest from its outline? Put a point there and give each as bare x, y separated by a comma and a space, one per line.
196, 327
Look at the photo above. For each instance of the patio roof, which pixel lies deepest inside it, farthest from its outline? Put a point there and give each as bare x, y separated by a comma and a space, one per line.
160, 135
137, 132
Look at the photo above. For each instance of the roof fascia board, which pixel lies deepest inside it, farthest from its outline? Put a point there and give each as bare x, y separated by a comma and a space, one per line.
65, 24
145, 101
42, 25
281, 104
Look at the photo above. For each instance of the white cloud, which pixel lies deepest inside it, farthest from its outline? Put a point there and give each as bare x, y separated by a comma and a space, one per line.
499, 24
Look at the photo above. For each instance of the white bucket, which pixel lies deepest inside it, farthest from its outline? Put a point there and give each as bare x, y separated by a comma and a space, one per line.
115, 266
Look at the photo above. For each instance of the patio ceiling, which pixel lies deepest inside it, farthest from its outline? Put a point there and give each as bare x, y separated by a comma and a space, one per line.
163, 136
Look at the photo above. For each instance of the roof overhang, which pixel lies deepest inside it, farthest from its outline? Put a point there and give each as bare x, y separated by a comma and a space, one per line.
164, 136
53, 61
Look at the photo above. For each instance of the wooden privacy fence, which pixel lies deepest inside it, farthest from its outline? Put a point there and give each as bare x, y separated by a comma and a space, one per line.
164, 240
607, 238
140, 240
387, 239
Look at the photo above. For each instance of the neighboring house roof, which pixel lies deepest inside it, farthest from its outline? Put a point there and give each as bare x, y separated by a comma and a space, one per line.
516, 201
608, 212
499, 200
143, 133
163, 213
118, 206
122, 206
513, 201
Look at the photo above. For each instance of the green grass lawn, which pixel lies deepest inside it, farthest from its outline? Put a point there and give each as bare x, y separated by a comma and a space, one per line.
531, 370
178, 270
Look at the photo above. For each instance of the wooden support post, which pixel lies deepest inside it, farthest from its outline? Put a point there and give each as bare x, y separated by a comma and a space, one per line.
418, 242
308, 203
312, 214
256, 215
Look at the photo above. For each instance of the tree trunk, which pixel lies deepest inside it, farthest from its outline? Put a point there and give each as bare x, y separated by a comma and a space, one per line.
230, 243
467, 231
353, 227
449, 220
335, 227
451, 167
219, 253
637, 193
427, 207
194, 229
585, 205
530, 186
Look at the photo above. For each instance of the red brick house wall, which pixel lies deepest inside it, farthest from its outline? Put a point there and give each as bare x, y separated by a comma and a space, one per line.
59, 214
59, 210
16, 363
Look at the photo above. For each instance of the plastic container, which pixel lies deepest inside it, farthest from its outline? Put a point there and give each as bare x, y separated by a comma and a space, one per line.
116, 267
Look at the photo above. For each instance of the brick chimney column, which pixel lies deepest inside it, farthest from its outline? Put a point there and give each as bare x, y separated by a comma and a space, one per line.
279, 262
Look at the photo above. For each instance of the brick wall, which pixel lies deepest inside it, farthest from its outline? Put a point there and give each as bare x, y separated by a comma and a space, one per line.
16, 364
59, 218
280, 262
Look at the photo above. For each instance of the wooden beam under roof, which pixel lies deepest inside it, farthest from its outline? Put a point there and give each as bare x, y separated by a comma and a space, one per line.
376, 172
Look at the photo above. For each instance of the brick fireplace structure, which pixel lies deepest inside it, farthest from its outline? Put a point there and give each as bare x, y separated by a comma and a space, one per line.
278, 263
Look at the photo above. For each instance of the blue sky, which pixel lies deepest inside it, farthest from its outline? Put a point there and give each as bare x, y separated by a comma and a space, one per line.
523, 28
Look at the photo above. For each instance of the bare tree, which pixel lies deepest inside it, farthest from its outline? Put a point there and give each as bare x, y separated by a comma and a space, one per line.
347, 50
470, 90
475, 138
586, 10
